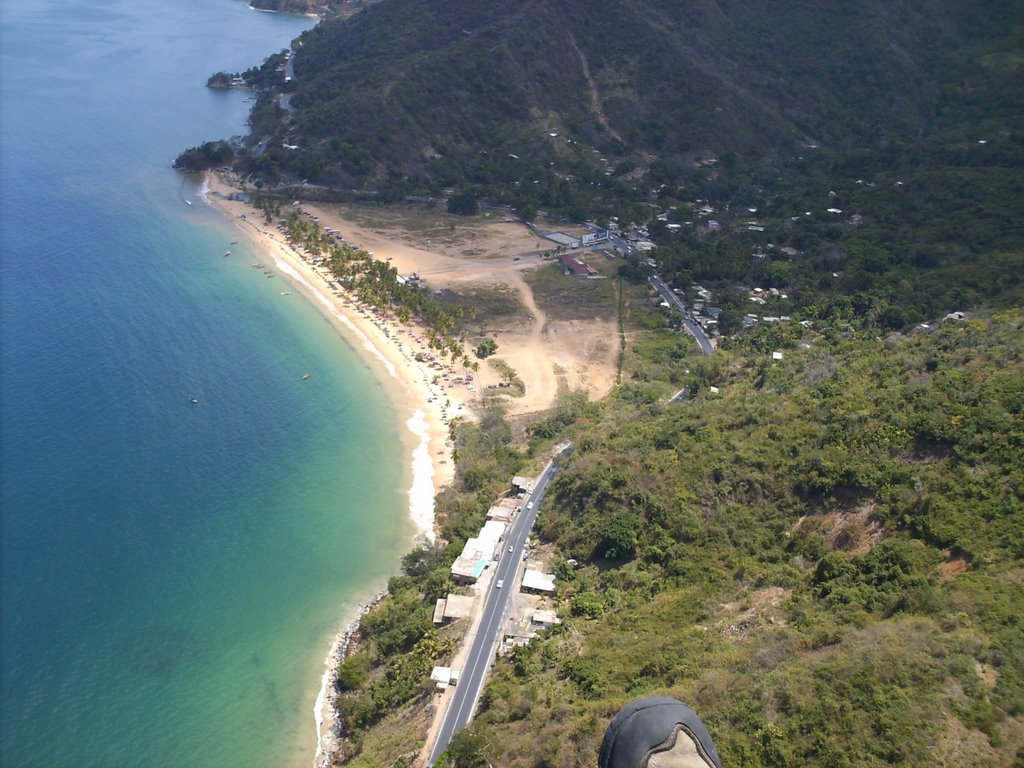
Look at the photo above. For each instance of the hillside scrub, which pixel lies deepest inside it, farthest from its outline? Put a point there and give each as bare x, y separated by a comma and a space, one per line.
824, 560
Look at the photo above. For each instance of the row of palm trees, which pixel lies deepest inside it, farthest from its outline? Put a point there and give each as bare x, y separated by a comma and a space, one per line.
375, 283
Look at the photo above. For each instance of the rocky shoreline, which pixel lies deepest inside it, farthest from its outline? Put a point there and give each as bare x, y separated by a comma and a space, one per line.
328, 723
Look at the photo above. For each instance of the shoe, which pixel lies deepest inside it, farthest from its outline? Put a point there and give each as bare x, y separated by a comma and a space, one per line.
657, 732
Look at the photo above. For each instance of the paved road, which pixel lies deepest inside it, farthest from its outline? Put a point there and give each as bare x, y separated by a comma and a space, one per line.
286, 98
481, 654
695, 330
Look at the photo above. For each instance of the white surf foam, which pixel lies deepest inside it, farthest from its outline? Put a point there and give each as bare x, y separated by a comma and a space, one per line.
421, 493
204, 190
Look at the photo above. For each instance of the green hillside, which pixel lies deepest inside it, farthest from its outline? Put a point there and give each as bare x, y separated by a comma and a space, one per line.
821, 553
824, 558
881, 144
421, 88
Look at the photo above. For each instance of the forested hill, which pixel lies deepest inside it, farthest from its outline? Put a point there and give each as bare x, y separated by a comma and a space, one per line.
422, 88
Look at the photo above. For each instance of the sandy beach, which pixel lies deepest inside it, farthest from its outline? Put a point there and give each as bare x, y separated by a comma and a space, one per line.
548, 354
491, 256
421, 389
427, 398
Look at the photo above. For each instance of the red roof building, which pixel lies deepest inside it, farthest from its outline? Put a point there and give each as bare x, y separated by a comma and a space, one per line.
577, 267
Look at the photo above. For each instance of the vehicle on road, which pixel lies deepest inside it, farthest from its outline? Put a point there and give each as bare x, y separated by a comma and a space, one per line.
510, 549
501, 583
529, 505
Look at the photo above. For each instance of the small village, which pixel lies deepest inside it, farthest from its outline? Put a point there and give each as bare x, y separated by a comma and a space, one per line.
532, 607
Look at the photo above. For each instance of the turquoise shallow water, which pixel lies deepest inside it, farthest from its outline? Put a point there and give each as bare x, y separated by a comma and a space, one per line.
170, 574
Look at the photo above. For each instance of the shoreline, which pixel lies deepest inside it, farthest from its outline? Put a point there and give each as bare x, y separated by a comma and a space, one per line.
389, 345
324, 709
417, 389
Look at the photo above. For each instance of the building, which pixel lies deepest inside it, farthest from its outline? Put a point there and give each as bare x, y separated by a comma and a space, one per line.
444, 677
453, 607
491, 534
499, 513
545, 618
522, 484
468, 567
478, 553
576, 267
562, 239
504, 510
536, 581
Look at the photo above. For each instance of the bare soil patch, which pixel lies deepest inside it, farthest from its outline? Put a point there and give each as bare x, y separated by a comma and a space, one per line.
952, 567
761, 610
554, 332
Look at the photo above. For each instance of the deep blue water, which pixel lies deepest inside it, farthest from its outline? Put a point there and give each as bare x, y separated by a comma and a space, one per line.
170, 573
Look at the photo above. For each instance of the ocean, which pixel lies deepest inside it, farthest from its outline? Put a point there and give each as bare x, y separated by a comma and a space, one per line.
171, 573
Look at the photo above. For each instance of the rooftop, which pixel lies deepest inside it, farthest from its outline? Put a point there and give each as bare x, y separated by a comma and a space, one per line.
541, 582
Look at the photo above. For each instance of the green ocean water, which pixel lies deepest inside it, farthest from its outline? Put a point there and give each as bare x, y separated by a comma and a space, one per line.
171, 574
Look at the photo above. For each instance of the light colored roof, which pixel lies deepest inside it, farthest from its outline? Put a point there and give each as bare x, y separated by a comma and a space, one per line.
561, 238
542, 582
491, 534
546, 617
441, 674
459, 606
471, 567
499, 513
522, 482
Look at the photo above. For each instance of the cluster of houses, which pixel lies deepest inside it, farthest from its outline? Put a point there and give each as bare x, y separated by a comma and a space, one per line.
701, 310
531, 612
764, 295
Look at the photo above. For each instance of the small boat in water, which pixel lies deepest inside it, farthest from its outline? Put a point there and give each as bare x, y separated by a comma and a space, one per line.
305, 376
227, 253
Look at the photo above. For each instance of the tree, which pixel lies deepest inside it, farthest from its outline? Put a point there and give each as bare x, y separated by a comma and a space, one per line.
466, 750
463, 203
486, 348
618, 542
206, 155
220, 80
353, 672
